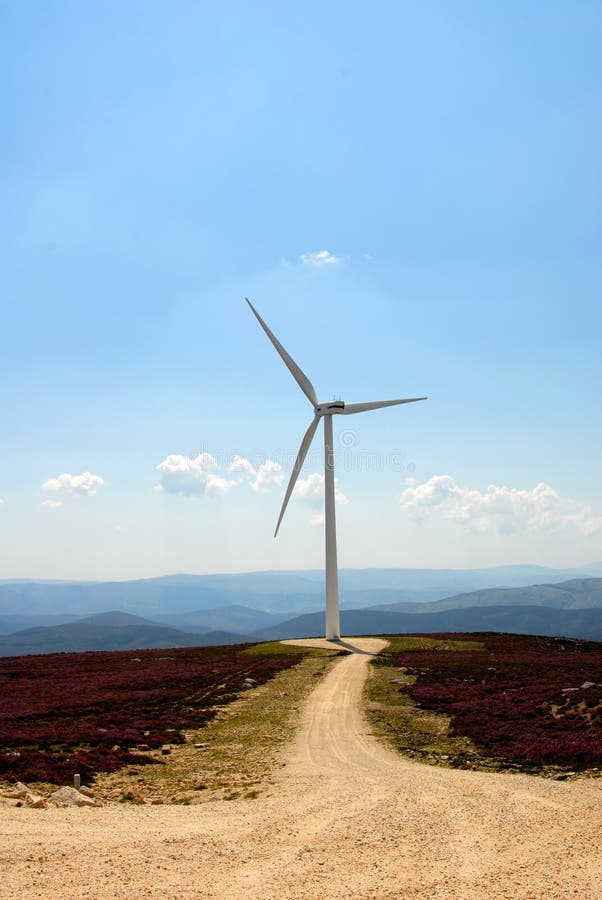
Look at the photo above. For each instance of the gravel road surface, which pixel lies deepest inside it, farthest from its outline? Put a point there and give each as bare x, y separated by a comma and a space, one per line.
344, 818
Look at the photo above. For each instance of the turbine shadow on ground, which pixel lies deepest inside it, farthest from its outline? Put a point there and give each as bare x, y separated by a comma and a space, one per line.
326, 644
352, 648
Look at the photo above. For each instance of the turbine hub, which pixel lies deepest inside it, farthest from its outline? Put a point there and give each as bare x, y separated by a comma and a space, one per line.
332, 408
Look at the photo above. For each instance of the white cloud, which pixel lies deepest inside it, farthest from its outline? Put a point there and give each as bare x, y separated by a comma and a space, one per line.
1, 502
311, 490
217, 485
269, 474
319, 258
192, 476
242, 465
51, 504
85, 484
502, 509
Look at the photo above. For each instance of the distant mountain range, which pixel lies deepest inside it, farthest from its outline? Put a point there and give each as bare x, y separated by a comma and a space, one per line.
578, 593
108, 631
569, 609
287, 593
572, 608
583, 623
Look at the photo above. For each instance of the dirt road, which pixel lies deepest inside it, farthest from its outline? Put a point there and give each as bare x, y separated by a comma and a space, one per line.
345, 818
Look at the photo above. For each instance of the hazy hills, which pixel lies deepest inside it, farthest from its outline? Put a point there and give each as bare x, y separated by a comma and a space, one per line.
241, 619
579, 593
288, 593
107, 631
571, 608
583, 623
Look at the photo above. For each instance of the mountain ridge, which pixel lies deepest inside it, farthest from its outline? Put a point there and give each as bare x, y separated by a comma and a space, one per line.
534, 620
286, 591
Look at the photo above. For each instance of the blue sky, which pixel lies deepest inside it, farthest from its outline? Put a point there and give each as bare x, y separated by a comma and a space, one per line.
162, 161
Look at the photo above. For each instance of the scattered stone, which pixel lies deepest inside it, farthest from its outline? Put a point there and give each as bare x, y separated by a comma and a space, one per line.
35, 801
165, 751
68, 796
250, 681
17, 792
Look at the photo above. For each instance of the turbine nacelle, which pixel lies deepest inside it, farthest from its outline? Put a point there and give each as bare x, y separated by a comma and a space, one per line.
333, 408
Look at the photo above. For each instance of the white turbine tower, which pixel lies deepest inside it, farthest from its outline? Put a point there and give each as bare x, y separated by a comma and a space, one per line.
322, 411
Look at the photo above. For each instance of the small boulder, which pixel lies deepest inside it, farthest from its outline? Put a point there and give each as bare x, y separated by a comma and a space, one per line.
17, 792
35, 801
69, 796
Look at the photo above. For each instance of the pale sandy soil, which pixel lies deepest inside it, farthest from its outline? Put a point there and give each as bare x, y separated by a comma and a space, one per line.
344, 818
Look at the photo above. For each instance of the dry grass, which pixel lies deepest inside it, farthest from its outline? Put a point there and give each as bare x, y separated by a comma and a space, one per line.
415, 733
233, 755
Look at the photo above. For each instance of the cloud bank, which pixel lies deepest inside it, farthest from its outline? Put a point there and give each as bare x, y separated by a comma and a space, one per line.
193, 477
501, 509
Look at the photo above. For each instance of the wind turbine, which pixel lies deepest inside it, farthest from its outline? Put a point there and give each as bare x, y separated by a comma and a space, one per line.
323, 411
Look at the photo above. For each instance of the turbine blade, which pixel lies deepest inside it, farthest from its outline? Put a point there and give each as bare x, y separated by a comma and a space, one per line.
299, 376
298, 465
351, 408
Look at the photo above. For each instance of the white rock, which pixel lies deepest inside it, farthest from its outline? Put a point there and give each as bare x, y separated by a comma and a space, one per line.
68, 796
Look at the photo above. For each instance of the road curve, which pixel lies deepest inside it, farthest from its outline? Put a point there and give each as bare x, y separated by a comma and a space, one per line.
345, 818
